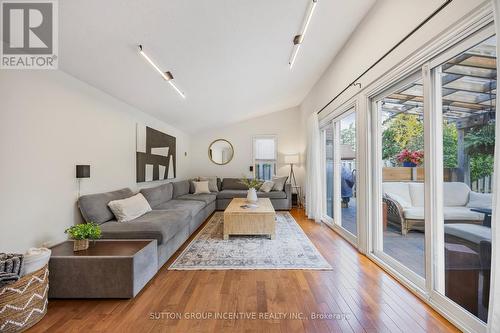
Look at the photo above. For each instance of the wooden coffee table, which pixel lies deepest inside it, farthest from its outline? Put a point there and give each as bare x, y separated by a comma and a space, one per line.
250, 221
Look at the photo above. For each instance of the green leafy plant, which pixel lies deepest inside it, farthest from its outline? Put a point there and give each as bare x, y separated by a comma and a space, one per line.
251, 182
481, 165
480, 140
84, 231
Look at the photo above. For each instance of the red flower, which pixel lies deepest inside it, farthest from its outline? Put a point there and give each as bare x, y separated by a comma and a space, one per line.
415, 157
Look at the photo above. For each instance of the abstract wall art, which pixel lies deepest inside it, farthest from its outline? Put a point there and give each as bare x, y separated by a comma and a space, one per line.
155, 156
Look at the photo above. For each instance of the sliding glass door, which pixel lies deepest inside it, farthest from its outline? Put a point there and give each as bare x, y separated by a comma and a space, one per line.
346, 171
400, 173
466, 97
432, 151
339, 165
328, 171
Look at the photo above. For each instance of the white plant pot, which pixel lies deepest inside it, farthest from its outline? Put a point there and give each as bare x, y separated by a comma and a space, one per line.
252, 196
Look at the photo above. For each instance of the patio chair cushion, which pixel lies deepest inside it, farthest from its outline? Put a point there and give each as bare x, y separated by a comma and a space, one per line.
417, 193
480, 200
414, 213
456, 194
400, 190
450, 214
469, 232
461, 214
399, 199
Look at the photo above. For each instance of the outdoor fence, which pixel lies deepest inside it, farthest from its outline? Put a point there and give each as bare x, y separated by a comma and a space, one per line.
483, 185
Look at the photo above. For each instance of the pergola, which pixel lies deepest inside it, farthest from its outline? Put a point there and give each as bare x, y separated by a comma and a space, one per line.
468, 95
468, 83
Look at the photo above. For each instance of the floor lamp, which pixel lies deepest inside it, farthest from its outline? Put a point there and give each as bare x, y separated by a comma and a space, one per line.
293, 159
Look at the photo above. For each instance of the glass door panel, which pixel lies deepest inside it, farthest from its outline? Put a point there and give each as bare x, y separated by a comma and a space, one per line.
400, 230
328, 156
468, 95
347, 171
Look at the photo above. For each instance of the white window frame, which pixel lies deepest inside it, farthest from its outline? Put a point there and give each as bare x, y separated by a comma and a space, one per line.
274, 161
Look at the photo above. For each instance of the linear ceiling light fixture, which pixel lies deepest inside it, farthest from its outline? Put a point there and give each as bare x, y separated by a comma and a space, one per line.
298, 39
167, 76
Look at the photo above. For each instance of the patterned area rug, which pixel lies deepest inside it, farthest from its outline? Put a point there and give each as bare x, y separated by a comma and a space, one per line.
290, 250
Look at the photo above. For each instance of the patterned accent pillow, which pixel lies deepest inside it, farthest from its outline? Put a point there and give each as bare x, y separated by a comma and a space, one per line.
279, 183
267, 186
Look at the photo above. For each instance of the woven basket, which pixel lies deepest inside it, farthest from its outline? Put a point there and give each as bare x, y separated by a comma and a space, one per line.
24, 302
80, 244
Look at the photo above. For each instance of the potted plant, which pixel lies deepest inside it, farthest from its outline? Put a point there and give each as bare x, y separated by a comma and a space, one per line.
253, 185
81, 233
411, 158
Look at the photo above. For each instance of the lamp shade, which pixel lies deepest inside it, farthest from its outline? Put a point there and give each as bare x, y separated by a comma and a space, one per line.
83, 171
292, 159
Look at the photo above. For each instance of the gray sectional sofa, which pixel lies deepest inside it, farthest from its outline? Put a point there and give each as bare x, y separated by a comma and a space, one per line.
176, 212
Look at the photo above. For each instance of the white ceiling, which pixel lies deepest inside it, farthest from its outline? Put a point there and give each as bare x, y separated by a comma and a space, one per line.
230, 57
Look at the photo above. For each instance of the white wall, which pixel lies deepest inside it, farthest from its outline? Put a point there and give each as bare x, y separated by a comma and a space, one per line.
285, 124
49, 122
386, 24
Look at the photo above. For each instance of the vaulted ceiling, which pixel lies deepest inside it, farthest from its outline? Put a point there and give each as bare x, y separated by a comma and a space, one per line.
230, 57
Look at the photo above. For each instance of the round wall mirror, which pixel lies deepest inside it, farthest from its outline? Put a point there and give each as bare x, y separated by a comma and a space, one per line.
220, 152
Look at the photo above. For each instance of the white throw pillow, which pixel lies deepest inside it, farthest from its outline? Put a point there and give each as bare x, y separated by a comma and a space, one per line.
279, 183
131, 208
480, 200
212, 183
267, 186
201, 187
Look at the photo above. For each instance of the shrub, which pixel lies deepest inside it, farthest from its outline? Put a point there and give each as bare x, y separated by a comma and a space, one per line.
84, 231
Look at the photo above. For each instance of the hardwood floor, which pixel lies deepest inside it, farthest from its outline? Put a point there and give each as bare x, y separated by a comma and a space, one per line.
357, 295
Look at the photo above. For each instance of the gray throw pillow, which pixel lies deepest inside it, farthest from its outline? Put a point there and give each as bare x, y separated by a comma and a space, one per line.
279, 183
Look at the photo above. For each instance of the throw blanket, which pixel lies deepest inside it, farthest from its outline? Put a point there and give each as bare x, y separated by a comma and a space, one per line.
34, 259
10, 267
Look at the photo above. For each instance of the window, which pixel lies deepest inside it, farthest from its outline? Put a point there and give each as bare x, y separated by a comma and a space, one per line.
265, 157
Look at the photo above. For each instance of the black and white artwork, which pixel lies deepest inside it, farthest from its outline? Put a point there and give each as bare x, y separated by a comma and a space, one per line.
155, 155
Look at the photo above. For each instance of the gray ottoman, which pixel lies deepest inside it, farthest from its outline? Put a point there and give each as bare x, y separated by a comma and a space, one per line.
108, 269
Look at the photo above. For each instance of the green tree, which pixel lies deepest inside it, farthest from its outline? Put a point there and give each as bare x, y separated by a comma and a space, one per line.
480, 145
348, 136
450, 145
407, 131
481, 165
401, 131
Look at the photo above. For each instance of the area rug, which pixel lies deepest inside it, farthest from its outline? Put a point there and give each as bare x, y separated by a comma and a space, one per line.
291, 249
